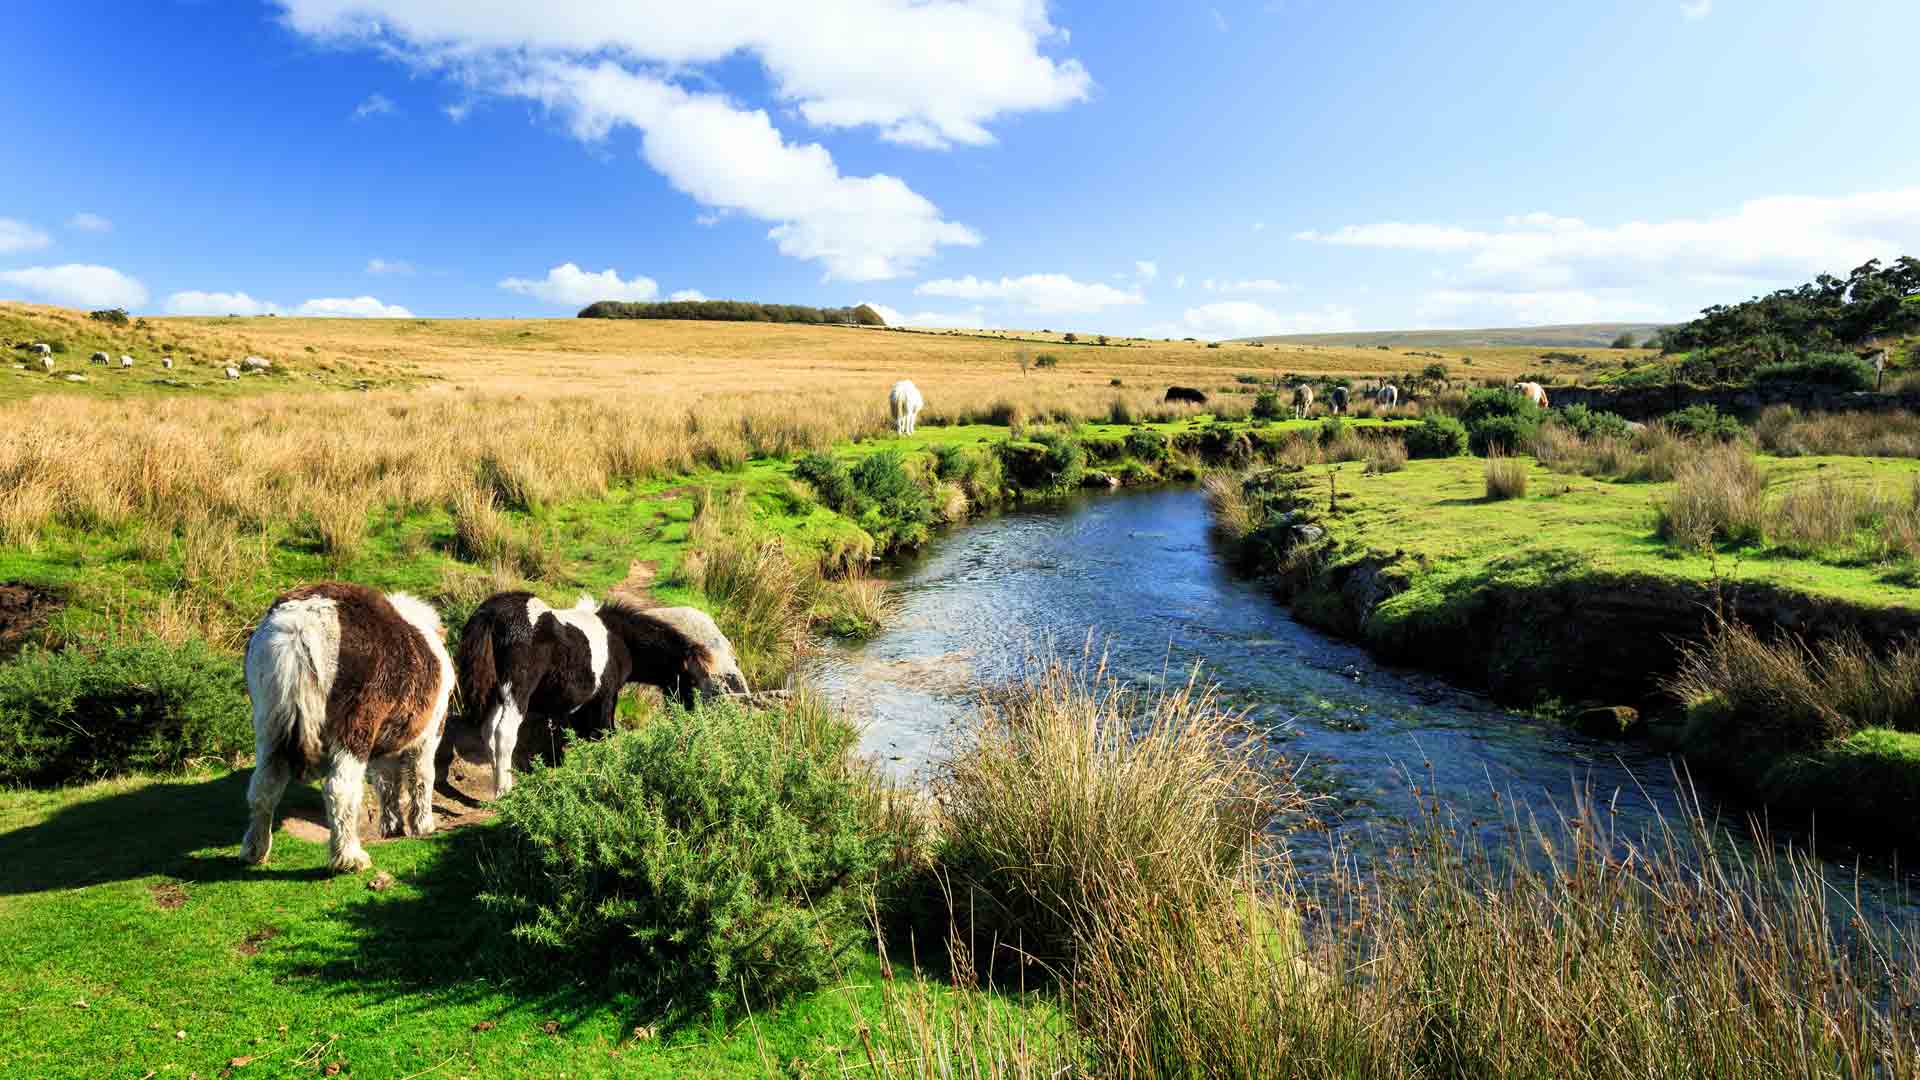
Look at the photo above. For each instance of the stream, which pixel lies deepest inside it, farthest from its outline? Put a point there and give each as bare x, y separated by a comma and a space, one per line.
1136, 573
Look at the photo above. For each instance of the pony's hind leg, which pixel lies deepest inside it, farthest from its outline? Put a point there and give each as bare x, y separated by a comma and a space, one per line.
392, 785
416, 776
270, 776
346, 780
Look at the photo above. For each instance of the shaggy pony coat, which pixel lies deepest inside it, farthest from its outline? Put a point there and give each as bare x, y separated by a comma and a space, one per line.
520, 659
905, 403
346, 680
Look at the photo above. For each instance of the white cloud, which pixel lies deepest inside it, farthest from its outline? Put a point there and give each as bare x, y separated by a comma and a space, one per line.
375, 105
924, 74
1244, 318
687, 294
567, 285
1696, 9
78, 285
1251, 285
377, 265
1761, 242
458, 111
1146, 270
1219, 20
20, 236
86, 222
1259, 226
1039, 293
974, 319
195, 302
1449, 308
1180, 281
355, 307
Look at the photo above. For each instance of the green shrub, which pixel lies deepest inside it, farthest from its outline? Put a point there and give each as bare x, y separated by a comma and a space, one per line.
110, 316
956, 463
1437, 437
1147, 445
1512, 434
1705, 421
1046, 360
829, 477
1587, 423
713, 854
1332, 430
1435, 371
893, 506
1050, 461
85, 714
1504, 401
1267, 406
1826, 369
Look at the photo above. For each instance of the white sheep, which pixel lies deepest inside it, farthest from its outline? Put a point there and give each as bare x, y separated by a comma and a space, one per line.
167, 362
126, 361
255, 363
233, 373
905, 402
46, 364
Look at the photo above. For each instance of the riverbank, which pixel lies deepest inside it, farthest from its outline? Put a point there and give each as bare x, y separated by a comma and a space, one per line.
1565, 599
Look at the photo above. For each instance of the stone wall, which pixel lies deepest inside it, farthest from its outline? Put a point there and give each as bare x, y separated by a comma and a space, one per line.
1649, 402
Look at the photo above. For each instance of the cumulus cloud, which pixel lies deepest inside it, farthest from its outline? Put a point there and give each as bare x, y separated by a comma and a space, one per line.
922, 74
1245, 318
352, 307
195, 302
1251, 285
1447, 308
85, 222
375, 105
1038, 293
377, 265
1146, 270
567, 285
1219, 20
78, 285
687, 294
458, 111
20, 236
1762, 241
1180, 281
974, 319
1696, 9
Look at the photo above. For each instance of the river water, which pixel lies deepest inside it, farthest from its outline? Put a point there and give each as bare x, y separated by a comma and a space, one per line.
1138, 572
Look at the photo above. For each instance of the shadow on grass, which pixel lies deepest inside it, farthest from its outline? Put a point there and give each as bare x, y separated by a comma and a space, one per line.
164, 827
430, 937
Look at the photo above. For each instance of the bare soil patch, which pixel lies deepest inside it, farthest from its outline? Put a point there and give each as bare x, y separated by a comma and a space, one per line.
24, 609
168, 895
463, 797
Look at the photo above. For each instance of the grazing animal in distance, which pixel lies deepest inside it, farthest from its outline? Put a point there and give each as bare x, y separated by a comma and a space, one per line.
255, 363
1302, 400
42, 348
520, 659
1387, 396
1533, 391
1185, 393
350, 681
1337, 400
46, 364
98, 358
905, 403
233, 373
167, 362
126, 361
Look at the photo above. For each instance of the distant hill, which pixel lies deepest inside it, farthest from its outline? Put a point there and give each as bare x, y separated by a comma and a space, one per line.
1578, 335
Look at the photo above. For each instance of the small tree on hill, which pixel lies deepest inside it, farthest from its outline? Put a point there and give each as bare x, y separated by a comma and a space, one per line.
1624, 341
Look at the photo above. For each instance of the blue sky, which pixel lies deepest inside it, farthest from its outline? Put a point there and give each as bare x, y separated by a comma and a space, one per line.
1269, 166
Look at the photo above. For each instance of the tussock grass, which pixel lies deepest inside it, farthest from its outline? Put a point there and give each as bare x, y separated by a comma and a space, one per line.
1506, 476
1786, 432
1232, 515
1718, 493
1386, 455
1785, 694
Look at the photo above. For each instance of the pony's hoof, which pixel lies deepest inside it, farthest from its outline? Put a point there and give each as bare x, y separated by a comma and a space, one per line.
253, 852
353, 862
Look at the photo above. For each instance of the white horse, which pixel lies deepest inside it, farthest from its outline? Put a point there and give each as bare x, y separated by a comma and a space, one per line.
1302, 401
905, 402
1533, 392
1387, 396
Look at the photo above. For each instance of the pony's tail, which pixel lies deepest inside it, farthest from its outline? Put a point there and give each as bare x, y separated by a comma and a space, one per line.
286, 681
474, 663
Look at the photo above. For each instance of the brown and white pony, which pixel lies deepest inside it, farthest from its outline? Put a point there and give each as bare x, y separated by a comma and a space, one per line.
346, 679
1533, 392
520, 659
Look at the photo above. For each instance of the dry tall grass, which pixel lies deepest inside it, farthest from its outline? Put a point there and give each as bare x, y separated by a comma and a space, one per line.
1506, 476
1718, 493
1786, 432
1785, 694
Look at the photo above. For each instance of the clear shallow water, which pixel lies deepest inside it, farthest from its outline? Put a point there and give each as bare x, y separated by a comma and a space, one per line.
1139, 572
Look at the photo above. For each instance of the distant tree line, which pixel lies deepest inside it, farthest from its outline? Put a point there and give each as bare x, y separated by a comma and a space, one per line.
731, 311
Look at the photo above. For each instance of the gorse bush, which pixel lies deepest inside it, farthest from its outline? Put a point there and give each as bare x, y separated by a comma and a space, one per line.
1267, 406
1838, 370
1147, 445
85, 714
877, 492
1437, 437
1587, 422
1499, 418
1049, 461
1703, 421
714, 860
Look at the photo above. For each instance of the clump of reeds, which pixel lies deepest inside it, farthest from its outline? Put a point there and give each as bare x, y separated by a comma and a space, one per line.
1718, 493
1784, 693
1386, 455
1506, 476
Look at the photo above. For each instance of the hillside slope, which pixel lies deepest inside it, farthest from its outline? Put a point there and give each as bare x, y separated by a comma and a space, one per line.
1574, 335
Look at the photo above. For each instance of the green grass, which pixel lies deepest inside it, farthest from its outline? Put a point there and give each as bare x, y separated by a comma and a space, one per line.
269, 963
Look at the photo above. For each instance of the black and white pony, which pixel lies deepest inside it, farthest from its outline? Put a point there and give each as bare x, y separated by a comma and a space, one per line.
520, 659
349, 681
